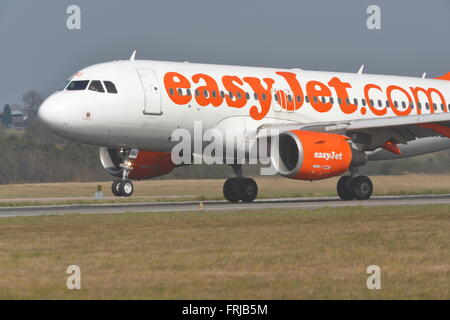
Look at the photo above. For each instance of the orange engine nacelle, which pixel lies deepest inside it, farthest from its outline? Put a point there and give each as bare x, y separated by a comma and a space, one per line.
145, 164
307, 155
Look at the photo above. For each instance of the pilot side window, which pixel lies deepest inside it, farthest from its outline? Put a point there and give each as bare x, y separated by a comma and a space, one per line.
110, 87
77, 85
96, 86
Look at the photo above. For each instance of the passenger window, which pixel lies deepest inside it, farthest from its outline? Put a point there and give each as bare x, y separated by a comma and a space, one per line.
355, 102
222, 94
197, 93
332, 100
255, 95
239, 96
247, 95
110, 87
77, 85
275, 97
324, 100
435, 106
380, 103
180, 92
427, 106
363, 102
307, 99
188, 92
371, 102
171, 91
387, 104
96, 86
403, 105
205, 93
263, 96
299, 99
214, 93
289, 98
347, 101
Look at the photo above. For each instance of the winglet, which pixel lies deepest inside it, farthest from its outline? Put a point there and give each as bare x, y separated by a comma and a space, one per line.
361, 69
133, 55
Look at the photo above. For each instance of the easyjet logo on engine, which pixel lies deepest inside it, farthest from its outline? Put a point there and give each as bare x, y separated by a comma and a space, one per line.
319, 94
328, 155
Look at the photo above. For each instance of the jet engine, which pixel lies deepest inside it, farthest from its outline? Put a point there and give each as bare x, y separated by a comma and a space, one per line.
145, 164
307, 155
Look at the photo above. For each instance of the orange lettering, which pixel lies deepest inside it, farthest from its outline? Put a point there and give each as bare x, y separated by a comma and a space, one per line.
174, 82
428, 93
294, 103
315, 94
264, 96
341, 91
377, 112
209, 93
239, 94
398, 112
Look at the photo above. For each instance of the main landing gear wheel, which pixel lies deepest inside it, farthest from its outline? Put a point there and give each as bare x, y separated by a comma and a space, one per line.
123, 188
359, 188
235, 189
115, 188
362, 187
344, 188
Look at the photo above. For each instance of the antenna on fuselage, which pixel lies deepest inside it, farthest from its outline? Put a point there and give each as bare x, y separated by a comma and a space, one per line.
133, 55
361, 69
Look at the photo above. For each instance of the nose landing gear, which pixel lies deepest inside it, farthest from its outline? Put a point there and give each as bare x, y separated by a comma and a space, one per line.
124, 187
359, 188
240, 188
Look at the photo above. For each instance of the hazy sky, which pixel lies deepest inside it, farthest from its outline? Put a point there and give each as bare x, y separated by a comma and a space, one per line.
37, 51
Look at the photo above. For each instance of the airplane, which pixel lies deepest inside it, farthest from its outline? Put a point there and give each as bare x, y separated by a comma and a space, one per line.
327, 123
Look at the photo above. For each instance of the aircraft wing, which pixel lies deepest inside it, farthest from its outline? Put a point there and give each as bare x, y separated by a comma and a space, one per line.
370, 134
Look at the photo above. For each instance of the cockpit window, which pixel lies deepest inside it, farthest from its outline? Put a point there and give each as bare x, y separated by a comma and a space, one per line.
77, 85
97, 86
110, 87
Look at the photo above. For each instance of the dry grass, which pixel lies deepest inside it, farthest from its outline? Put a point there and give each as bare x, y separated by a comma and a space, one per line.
155, 190
221, 255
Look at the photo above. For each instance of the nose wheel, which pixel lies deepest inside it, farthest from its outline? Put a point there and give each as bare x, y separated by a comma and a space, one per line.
359, 188
122, 188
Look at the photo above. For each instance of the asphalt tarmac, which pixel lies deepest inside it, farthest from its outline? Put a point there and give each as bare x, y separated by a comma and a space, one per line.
290, 203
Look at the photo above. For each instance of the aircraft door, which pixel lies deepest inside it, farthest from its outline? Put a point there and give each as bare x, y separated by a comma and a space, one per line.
152, 94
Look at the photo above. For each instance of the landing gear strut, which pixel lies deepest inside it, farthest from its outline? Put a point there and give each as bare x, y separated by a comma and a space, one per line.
124, 187
240, 188
359, 188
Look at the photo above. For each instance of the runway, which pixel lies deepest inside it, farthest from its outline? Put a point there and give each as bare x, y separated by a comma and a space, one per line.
285, 204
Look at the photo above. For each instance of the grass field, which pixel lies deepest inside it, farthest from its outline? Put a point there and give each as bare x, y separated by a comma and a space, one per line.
159, 190
230, 255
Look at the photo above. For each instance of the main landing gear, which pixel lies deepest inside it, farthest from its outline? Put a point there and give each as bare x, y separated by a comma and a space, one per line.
350, 187
124, 187
240, 188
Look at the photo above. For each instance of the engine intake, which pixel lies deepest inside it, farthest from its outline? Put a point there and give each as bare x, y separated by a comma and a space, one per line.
307, 155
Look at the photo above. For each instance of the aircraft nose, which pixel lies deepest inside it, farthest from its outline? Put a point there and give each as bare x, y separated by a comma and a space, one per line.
50, 113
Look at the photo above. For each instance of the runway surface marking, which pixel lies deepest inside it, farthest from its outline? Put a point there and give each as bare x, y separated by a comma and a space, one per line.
289, 203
